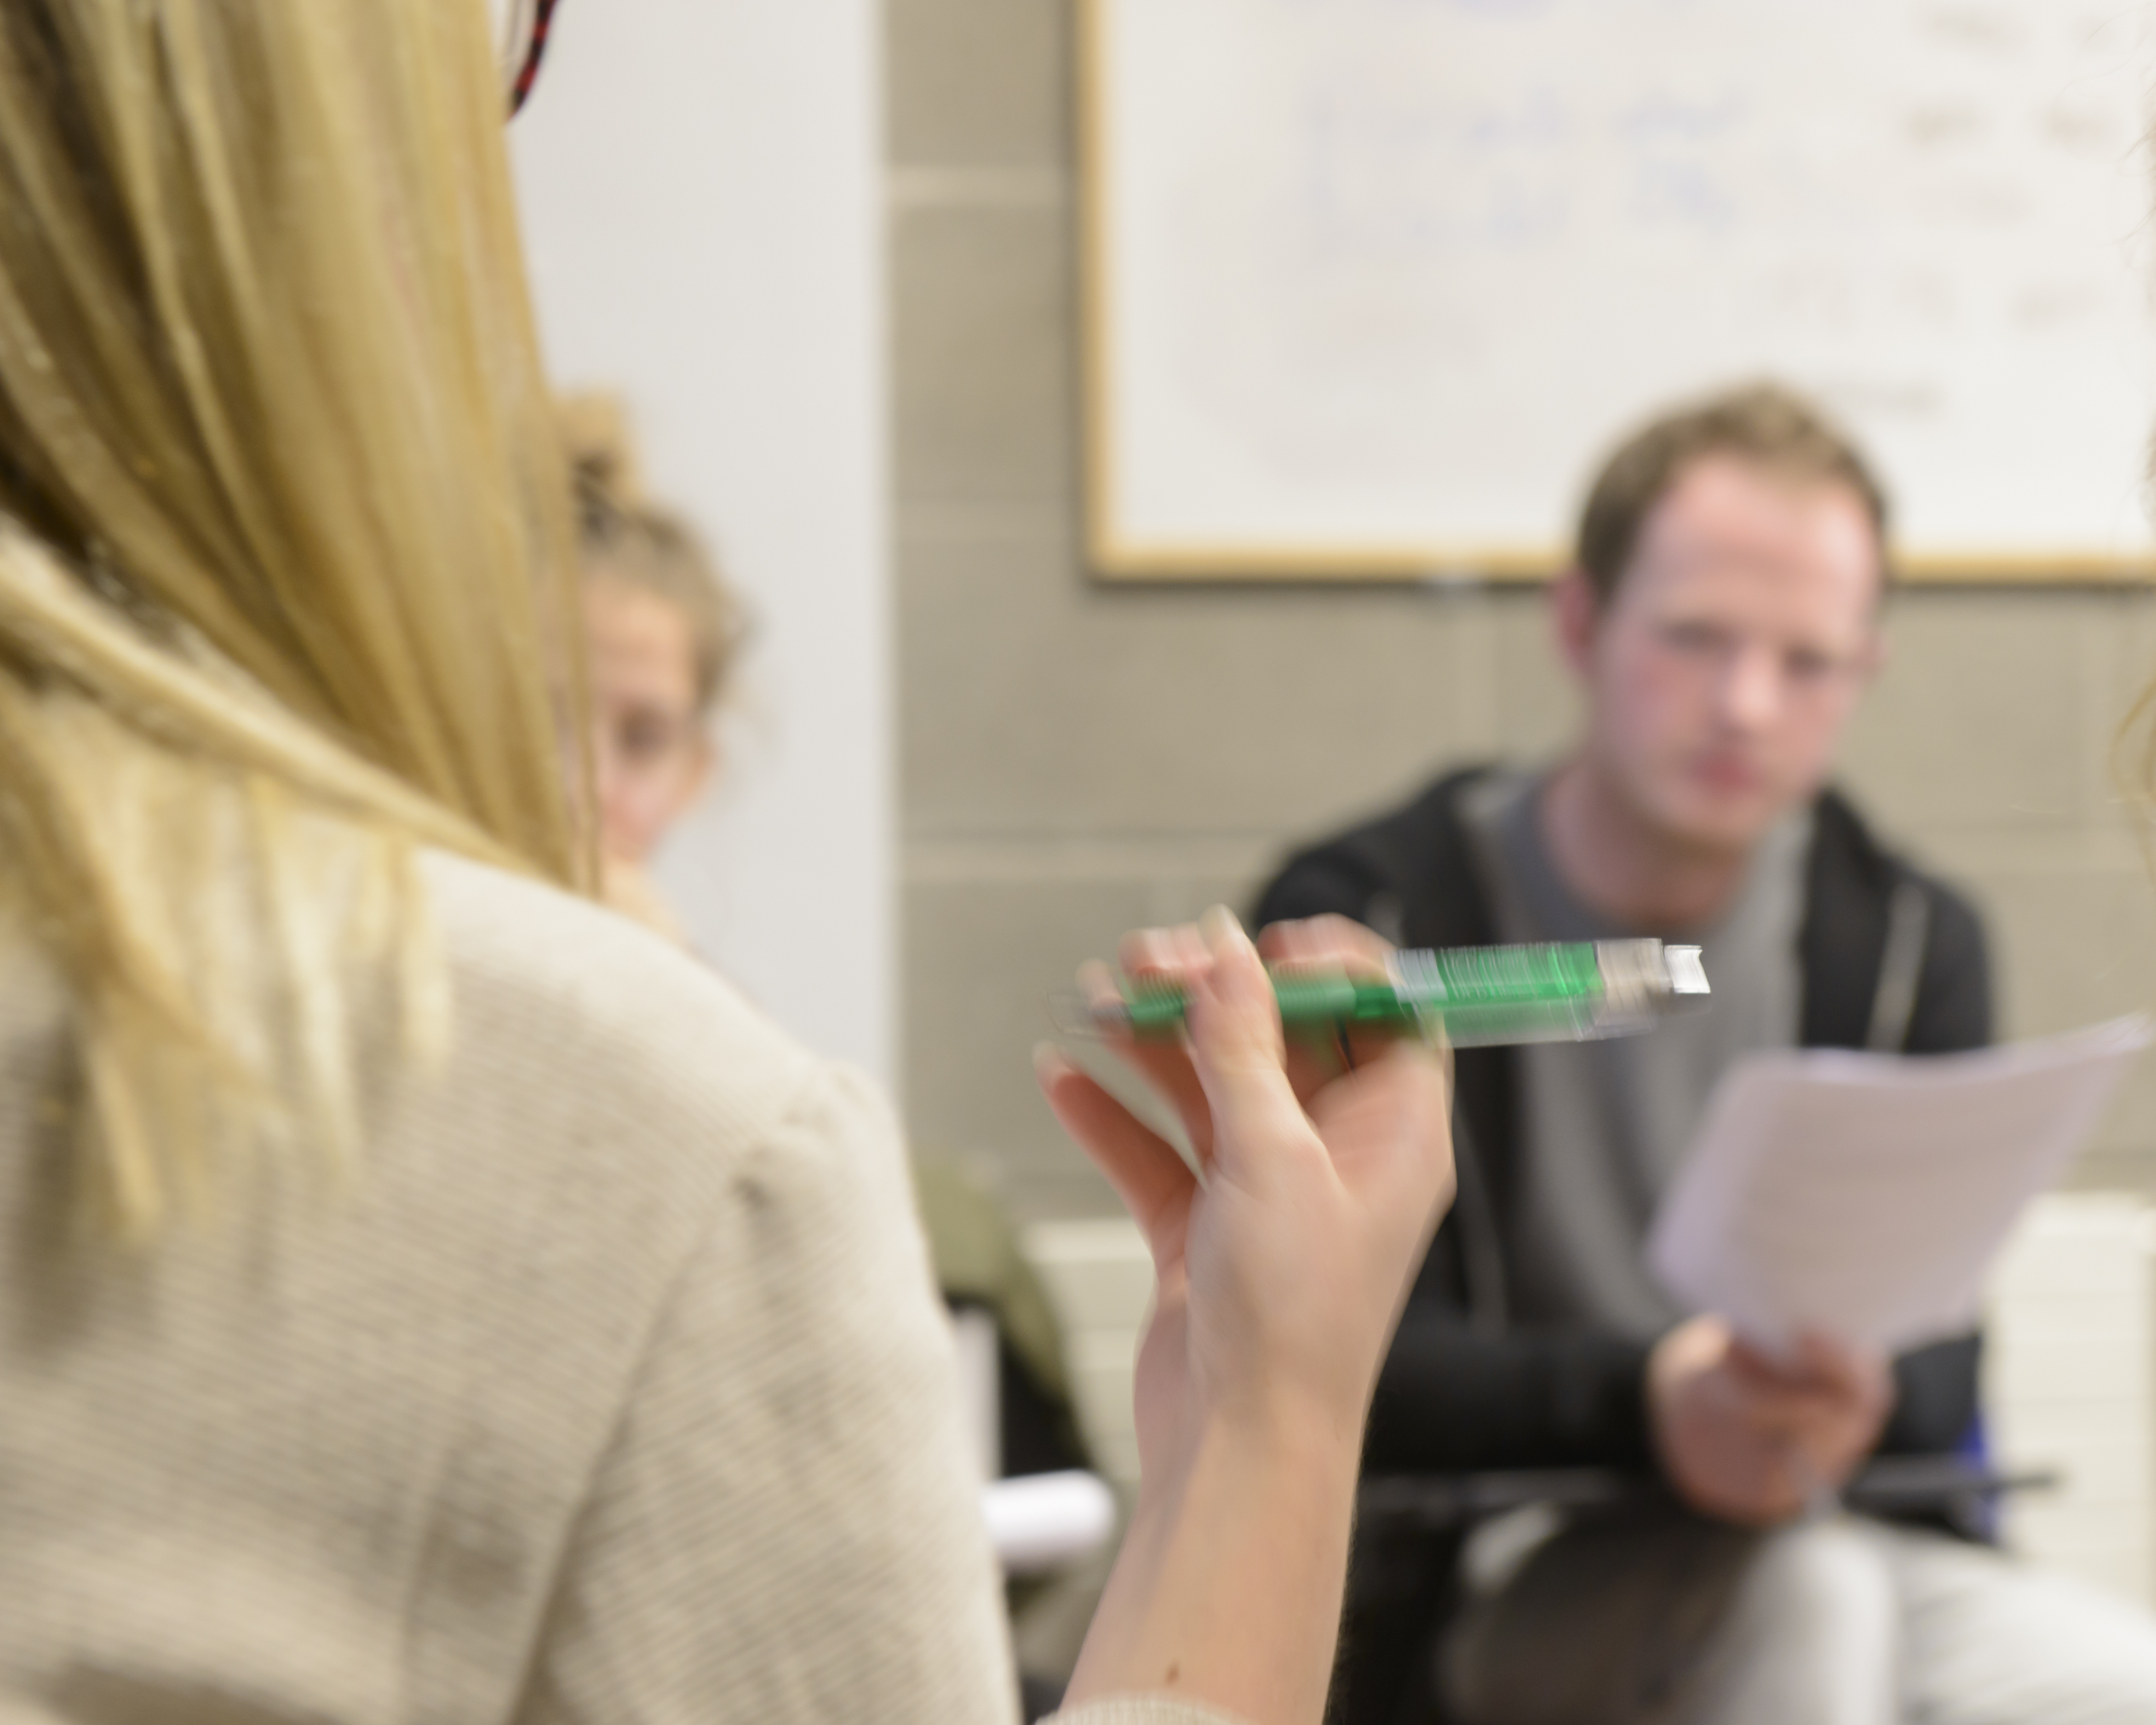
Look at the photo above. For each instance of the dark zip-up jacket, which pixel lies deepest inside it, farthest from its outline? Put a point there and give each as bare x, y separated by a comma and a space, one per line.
1463, 1388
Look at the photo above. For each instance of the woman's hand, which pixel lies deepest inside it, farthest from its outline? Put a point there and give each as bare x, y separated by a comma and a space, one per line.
1280, 1279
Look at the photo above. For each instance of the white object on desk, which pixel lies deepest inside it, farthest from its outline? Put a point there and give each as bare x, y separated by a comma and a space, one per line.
1040, 1521
1865, 1195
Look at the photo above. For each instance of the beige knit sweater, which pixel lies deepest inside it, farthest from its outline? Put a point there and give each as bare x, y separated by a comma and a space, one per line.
615, 1391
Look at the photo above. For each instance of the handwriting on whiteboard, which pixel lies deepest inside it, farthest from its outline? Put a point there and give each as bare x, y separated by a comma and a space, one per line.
1392, 270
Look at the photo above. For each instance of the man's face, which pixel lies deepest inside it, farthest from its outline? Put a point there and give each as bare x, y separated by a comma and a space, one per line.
1722, 671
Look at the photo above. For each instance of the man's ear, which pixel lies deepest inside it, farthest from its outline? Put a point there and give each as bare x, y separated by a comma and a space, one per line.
1575, 614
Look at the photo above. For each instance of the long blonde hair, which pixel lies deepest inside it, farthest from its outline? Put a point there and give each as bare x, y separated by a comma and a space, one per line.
284, 551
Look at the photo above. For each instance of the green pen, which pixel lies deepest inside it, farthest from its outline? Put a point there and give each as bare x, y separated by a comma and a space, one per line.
1476, 996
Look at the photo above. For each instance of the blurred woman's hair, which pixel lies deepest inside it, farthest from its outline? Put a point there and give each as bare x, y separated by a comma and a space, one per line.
286, 575
624, 536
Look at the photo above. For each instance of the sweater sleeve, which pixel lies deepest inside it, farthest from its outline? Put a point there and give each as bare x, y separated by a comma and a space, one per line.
1143, 1710
1953, 1008
1449, 1400
786, 1527
1936, 1388
1326, 881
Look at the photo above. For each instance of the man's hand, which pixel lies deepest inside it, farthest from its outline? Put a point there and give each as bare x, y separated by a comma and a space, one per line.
1754, 1440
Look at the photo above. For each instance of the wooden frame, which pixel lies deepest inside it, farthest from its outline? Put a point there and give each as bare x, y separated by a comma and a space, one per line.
1111, 559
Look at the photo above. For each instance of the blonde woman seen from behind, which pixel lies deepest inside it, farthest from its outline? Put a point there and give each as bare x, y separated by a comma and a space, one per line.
423, 1296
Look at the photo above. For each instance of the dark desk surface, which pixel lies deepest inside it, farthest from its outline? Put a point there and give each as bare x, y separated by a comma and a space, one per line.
1892, 1485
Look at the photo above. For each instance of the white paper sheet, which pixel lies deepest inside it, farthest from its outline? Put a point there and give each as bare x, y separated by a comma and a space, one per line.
1864, 1195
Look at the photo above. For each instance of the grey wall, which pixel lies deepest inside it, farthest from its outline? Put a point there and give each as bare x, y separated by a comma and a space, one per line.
1077, 759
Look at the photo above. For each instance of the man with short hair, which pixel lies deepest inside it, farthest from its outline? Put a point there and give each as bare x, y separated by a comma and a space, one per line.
1722, 617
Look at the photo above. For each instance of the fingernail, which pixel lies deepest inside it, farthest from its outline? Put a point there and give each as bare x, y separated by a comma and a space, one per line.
1097, 982
1047, 1061
1219, 927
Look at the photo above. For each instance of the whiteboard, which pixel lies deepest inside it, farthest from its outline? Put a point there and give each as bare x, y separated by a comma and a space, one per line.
1372, 285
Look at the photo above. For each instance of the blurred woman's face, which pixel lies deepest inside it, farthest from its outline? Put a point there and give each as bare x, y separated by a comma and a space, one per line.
649, 747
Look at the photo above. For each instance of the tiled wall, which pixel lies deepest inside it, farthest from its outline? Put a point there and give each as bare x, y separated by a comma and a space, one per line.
2069, 1387
1075, 759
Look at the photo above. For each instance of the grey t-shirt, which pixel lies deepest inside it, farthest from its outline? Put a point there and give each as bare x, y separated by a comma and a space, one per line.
1604, 1126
